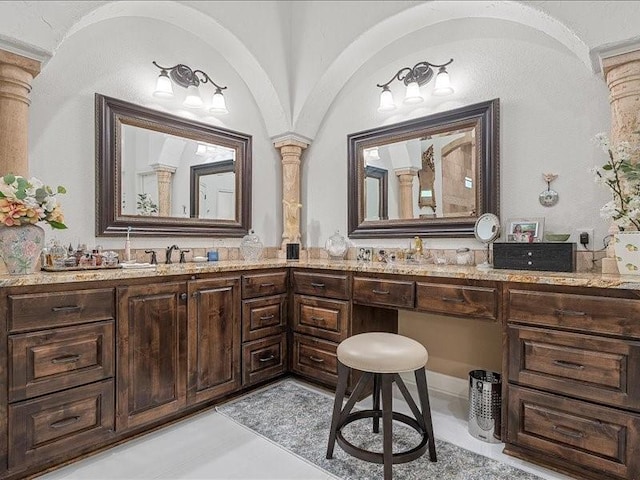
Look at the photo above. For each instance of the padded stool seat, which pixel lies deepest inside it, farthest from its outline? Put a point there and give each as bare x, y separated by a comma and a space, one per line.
380, 352
381, 357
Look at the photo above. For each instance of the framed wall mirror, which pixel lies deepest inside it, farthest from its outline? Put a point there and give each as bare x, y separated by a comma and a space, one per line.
165, 175
441, 174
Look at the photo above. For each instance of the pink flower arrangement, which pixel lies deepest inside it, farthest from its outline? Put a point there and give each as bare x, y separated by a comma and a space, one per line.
25, 202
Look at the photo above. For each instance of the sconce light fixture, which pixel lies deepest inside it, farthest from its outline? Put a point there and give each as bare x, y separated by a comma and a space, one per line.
413, 78
185, 77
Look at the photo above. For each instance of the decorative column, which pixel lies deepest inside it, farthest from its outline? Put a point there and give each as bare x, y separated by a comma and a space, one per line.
406, 176
16, 74
291, 148
164, 175
622, 74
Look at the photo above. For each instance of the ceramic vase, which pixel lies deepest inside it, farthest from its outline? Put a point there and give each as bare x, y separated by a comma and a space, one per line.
627, 250
20, 247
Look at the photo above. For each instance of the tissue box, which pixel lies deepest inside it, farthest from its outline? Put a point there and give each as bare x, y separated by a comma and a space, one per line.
554, 257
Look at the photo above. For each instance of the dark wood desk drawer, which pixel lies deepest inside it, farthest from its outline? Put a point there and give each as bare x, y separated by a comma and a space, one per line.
583, 366
321, 317
264, 359
587, 313
51, 360
263, 284
392, 293
55, 426
315, 358
321, 284
478, 302
45, 310
579, 433
263, 317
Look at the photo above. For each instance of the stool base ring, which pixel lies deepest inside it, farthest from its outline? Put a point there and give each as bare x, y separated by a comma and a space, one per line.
377, 457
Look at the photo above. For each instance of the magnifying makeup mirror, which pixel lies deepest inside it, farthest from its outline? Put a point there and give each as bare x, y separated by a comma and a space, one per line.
486, 230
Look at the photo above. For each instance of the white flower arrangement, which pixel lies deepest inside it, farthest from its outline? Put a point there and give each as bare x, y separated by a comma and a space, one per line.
622, 176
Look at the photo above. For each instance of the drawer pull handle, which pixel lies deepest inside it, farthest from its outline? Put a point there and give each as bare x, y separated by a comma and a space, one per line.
266, 317
452, 299
317, 319
565, 364
67, 309
569, 432
66, 359
317, 285
570, 313
267, 359
267, 285
65, 422
380, 292
316, 359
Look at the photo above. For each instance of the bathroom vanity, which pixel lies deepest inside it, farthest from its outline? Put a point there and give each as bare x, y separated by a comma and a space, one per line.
95, 358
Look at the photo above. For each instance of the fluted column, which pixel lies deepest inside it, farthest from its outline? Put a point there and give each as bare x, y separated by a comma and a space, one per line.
164, 175
406, 176
290, 151
16, 74
622, 73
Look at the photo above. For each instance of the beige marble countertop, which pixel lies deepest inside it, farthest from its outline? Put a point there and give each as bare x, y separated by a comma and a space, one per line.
629, 282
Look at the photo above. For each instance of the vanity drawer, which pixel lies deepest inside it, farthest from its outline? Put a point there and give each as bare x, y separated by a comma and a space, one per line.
586, 313
321, 317
478, 302
264, 359
392, 293
315, 358
51, 360
583, 366
44, 310
321, 284
262, 317
263, 284
56, 426
575, 432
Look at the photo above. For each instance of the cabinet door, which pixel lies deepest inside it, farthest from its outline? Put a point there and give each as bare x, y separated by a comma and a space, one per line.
151, 353
214, 356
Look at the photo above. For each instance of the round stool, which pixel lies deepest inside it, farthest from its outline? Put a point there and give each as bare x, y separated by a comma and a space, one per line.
381, 357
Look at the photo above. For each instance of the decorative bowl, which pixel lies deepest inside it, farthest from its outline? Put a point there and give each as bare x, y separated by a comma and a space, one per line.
556, 237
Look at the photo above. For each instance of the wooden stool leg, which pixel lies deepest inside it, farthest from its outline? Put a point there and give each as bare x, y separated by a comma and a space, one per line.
376, 402
387, 425
423, 393
341, 389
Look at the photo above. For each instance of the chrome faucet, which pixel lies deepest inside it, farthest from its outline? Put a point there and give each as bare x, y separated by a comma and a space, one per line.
169, 252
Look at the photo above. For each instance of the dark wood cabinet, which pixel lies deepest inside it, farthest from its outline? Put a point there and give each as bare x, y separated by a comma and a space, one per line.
151, 372
214, 352
572, 362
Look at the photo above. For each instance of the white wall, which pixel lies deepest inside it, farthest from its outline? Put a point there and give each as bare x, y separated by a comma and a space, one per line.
118, 64
551, 107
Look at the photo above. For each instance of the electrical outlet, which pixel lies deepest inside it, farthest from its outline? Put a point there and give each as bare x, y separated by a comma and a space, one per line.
576, 238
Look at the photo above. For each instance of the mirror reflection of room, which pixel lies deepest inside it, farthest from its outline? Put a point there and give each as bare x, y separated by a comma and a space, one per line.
157, 166
432, 176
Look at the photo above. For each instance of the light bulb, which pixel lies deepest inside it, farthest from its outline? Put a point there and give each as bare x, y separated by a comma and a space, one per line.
443, 83
193, 99
164, 89
413, 93
386, 101
218, 105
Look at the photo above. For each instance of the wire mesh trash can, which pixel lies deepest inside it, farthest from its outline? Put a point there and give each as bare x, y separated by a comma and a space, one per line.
485, 401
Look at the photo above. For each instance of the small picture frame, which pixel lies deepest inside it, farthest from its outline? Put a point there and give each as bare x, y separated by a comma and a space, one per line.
364, 254
525, 229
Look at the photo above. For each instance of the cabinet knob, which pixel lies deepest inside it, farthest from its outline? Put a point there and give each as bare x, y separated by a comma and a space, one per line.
183, 296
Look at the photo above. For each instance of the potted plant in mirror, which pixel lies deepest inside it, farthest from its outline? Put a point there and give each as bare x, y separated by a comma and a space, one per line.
23, 204
621, 174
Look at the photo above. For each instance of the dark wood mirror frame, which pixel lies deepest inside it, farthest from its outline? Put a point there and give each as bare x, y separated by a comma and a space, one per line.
203, 170
485, 116
111, 113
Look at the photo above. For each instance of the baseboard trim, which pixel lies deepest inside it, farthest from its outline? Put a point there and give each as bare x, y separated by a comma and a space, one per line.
441, 383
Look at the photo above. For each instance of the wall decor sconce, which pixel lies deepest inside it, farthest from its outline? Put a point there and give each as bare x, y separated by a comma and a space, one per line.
185, 77
413, 78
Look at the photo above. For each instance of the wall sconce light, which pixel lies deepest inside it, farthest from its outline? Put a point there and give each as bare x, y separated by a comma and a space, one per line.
185, 77
414, 78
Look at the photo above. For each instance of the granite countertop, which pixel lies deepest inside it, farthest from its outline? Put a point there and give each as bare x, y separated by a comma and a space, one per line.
629, 282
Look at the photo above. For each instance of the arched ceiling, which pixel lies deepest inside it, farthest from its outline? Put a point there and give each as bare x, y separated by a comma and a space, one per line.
226, 27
